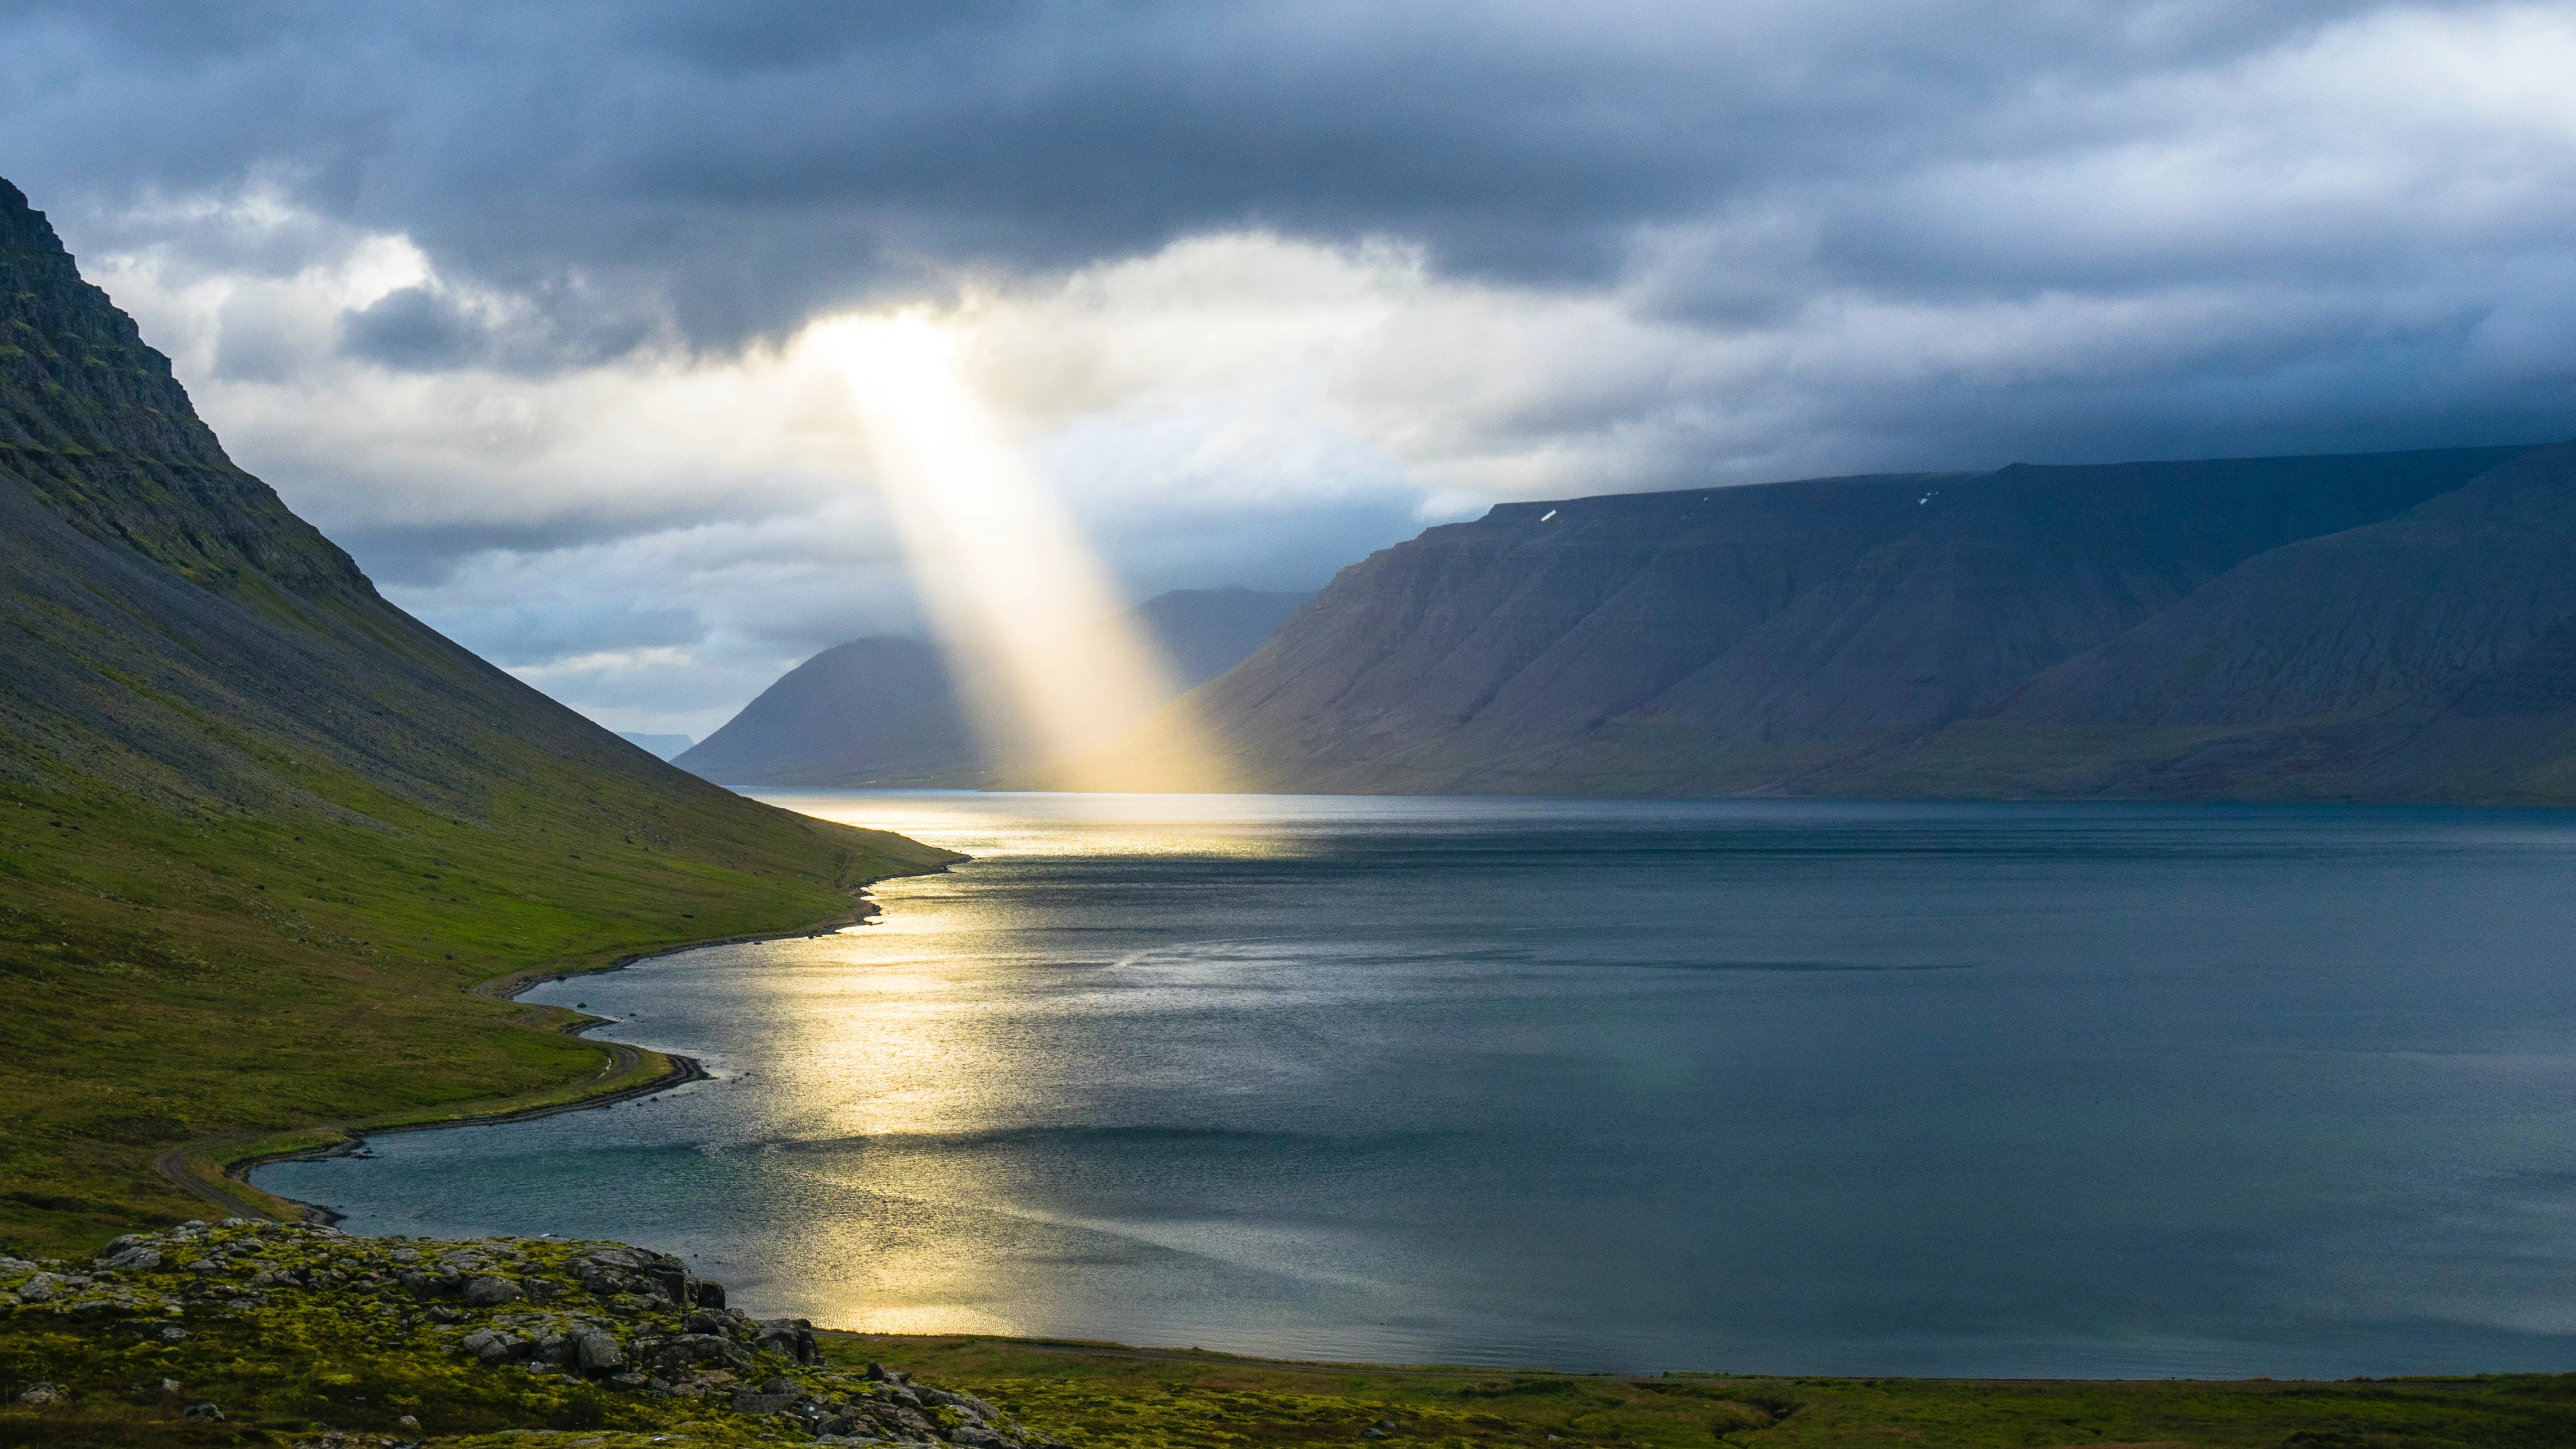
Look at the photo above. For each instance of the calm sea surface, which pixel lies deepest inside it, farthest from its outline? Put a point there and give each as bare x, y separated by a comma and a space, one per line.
1946, 1089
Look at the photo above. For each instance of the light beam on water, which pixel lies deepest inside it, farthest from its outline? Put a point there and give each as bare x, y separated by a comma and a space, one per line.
1053, 675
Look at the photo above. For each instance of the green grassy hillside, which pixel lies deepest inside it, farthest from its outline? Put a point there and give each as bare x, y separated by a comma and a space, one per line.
174, 979
261, 832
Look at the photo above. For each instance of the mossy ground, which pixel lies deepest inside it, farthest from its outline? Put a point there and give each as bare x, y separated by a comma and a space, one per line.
294, 1333
343, 1354
1095, 1396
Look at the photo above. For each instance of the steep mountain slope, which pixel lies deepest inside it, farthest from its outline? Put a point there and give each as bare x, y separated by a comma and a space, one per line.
2425, 657
888, 711
1977, 635
259, 828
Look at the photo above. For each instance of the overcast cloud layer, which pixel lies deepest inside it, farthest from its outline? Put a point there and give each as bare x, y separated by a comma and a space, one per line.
509, 298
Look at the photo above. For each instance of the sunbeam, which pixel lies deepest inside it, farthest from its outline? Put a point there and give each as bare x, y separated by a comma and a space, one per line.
1019, 599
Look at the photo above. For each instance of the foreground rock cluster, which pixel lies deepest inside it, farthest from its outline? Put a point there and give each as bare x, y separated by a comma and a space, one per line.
571, 1335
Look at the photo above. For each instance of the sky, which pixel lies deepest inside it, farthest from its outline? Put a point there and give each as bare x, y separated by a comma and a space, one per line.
515, 300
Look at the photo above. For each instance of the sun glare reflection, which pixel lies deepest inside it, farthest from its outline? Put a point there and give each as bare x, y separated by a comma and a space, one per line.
1020, 601
996, 825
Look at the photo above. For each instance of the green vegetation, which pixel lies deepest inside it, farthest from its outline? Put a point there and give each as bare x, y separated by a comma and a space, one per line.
257, 1333
174, 979
1094, 1396
303, 1336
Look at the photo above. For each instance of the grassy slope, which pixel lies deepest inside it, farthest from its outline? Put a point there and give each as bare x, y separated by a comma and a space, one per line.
1095, 1396
261, 831
173, 979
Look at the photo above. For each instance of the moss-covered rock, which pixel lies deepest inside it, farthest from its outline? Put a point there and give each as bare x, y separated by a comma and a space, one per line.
256, 1332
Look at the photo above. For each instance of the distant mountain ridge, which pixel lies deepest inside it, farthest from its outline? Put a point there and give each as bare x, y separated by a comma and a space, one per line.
889, 711
660, 747
2375, 626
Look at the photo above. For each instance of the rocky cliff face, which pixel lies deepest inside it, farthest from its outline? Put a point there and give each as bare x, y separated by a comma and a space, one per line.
2256, 627
93, 424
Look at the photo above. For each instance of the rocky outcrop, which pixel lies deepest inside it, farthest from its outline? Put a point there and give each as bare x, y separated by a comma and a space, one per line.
2386, 626
94, 424
630, 1323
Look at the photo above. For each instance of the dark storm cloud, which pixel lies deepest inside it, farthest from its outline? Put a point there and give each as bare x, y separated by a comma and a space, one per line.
489, 288
748, 163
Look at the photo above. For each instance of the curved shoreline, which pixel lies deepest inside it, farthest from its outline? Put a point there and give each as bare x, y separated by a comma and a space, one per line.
175, 1164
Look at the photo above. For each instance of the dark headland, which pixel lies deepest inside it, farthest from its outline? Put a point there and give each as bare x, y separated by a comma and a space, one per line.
272, 852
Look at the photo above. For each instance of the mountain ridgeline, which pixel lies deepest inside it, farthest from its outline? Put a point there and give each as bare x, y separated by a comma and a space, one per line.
2397, 626
259, 829
882, 711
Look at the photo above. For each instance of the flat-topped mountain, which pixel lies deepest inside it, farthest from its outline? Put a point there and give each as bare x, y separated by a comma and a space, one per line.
2379, 626
258, 827
889, 711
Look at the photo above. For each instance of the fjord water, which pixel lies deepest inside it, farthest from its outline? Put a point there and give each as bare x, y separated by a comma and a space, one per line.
1823, 1087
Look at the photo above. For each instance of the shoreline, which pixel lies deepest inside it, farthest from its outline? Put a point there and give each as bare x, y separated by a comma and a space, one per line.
182, 1166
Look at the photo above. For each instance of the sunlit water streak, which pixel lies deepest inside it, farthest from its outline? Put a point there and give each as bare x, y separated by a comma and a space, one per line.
1824, 1087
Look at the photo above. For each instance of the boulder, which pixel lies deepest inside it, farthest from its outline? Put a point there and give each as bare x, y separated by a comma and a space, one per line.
486, 1291
206, 1413
138, 1257
493, 1346
672, 1358
793, 1337
750, 1401
598, 1351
